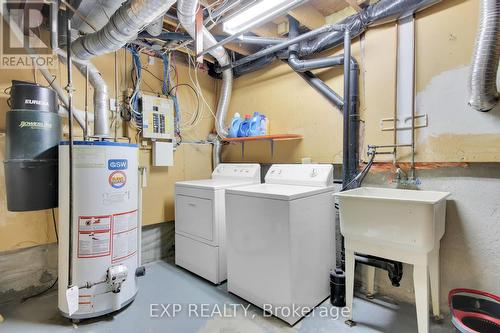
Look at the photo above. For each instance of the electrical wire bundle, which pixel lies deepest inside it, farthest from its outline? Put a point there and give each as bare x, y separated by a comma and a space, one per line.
136, 79
168, 92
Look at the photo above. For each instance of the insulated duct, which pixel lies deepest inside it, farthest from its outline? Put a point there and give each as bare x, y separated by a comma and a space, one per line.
382, 12
186, 12
483, 89
322, 38
122, 27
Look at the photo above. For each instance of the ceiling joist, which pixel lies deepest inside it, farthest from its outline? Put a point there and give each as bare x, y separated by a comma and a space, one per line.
354, 4
308, 16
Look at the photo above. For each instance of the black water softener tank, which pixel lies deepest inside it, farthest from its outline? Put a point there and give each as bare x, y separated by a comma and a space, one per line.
33, 133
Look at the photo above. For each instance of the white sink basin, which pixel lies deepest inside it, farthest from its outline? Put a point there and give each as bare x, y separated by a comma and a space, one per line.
406, 219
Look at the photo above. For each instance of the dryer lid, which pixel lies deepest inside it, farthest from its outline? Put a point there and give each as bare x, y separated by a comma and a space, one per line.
240, 171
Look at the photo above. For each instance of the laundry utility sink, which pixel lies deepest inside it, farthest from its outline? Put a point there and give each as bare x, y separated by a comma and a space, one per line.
401, 225
407, 219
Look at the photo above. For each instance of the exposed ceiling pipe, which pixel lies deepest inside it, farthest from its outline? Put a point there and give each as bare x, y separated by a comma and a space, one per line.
186, 12
92, 15
381, 12
483, 75
244, 39
156, 27
329, 36
101, 96
101, 119
123, 26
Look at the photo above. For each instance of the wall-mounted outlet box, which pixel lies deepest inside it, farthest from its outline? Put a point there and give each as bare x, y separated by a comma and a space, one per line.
163, 153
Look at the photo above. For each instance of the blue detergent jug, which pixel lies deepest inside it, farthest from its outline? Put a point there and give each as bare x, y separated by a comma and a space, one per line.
235, 125
254, 128
244, 127
264, 125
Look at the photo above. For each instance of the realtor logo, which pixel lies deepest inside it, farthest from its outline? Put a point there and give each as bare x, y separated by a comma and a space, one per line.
23, 37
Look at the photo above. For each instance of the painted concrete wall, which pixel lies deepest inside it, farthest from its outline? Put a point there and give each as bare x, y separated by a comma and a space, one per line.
25, 229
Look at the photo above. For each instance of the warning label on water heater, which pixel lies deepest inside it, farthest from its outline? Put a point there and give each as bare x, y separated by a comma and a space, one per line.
94, 236
124, 236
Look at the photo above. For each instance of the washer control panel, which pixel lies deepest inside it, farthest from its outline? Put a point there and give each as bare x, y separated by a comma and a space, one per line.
246, 171
320, 175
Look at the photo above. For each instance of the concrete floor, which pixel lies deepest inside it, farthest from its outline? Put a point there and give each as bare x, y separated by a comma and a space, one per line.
165, 284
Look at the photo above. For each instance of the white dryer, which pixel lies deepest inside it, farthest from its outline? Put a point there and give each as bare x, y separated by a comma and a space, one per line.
200, 234
280, 239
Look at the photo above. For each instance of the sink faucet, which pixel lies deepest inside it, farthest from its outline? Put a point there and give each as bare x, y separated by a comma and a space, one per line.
402, 178
400, 175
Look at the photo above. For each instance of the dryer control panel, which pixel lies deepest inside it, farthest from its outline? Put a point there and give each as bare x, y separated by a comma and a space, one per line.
240, 171
319, 175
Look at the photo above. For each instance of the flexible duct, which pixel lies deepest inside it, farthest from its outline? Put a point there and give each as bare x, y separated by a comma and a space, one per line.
186, 12
156, 27
216, 153
483, 89
122, 27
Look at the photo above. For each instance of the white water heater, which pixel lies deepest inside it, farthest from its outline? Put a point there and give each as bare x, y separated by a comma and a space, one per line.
106, 233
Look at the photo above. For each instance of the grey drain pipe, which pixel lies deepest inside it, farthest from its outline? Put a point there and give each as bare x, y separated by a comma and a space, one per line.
348, 103
349, 106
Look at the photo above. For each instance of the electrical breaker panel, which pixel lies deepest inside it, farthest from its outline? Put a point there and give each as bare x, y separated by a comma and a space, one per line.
157, 117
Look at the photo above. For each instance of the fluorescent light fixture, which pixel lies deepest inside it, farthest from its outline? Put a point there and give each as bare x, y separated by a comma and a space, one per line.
262, 11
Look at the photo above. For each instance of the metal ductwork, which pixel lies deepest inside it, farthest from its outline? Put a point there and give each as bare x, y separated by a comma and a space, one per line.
156, 27
186, 12
101, 98
123, 26
93, 14
483, 88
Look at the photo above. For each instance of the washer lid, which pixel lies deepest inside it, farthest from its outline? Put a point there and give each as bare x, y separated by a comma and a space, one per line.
316, 175
279, 191
214, 183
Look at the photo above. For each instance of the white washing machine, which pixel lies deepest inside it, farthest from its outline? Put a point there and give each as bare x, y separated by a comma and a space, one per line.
280, 239
200, 223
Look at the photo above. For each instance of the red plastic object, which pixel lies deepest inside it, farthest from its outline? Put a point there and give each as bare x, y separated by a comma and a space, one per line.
474, 311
